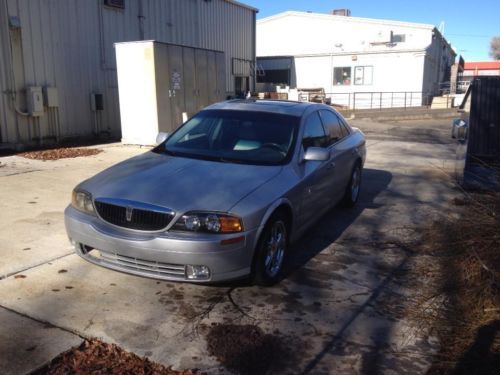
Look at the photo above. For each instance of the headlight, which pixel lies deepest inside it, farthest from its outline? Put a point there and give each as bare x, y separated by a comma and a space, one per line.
82, 201
209, 222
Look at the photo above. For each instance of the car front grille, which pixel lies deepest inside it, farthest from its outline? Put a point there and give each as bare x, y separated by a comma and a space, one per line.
137, 218
151, 268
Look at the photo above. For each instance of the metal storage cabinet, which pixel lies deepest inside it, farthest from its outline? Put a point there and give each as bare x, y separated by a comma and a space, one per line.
158, 82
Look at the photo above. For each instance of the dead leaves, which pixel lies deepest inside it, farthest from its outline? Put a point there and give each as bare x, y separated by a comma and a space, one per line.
60, 153
96, 357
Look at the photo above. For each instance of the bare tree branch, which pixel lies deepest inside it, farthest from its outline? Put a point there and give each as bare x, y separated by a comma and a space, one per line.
495, 47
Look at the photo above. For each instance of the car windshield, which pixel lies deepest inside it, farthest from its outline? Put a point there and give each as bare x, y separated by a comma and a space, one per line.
248, 137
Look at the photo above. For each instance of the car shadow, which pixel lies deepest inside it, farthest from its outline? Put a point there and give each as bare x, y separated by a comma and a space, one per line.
334, 222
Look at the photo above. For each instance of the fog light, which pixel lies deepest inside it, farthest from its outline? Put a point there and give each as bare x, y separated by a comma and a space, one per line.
72, 242
197, 272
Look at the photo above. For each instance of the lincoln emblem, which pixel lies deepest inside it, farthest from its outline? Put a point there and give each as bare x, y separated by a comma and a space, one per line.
128, 213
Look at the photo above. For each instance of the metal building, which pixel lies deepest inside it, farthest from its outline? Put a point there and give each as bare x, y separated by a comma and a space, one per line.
358, 62
58, 67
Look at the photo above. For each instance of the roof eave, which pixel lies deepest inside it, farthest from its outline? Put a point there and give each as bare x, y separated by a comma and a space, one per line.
348, 18
237, 3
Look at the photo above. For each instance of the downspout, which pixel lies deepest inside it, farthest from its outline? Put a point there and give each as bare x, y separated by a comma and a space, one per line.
440, 60
141, 18
254, 47
102, 42
9, 69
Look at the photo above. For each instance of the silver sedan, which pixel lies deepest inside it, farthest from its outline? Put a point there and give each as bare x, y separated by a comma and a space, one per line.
223, 196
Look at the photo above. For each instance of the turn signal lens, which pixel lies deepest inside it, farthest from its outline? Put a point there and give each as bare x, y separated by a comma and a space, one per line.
230, 224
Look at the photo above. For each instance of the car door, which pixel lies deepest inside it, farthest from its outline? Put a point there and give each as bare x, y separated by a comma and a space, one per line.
316, 174
340, 154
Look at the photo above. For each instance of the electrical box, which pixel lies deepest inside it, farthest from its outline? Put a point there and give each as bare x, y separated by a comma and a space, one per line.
96, 102
34, 101
160, 84
50, 97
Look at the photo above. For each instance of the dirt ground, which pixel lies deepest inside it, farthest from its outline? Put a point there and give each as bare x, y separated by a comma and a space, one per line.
342, 306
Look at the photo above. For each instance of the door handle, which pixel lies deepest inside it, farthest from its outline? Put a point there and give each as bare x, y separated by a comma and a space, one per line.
331, 165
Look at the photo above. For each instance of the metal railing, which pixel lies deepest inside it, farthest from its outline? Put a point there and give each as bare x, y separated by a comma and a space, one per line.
382, 99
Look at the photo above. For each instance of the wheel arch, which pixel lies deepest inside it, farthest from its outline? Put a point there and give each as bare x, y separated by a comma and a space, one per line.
283, 205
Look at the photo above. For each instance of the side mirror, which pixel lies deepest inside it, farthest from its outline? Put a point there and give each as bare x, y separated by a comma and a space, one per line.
161, 137
459, 130
317, 154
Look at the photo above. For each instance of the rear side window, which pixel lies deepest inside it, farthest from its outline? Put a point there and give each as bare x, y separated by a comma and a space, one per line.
345, 126
332, 126
314, 133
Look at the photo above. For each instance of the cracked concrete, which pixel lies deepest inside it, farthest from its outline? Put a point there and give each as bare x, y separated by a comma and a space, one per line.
26, 344
343, 297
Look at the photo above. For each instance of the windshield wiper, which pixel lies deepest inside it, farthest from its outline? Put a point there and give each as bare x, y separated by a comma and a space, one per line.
169, 152
228, 160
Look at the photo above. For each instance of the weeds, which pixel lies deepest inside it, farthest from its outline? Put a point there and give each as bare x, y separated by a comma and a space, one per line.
461, 301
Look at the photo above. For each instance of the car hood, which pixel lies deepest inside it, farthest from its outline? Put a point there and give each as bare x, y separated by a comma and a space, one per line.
181, 184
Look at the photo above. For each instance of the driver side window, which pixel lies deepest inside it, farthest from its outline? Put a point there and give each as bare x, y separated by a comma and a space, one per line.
314, 133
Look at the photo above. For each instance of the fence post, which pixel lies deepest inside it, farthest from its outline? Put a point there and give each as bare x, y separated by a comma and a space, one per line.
405, 99
392, 99
349, 100
380, 107
371, 100
353, 101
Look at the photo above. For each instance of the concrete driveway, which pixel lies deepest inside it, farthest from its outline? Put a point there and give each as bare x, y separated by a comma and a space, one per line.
341, 304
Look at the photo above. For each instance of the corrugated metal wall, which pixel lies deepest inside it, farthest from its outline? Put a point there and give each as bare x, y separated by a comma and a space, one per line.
484, 120
69, 44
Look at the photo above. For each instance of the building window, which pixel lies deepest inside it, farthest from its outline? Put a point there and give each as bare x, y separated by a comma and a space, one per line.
397, 38
275, 76
342, 75
363, 75
120, 4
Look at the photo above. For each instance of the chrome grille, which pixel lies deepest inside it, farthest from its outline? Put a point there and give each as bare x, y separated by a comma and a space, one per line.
140, 265
129, 216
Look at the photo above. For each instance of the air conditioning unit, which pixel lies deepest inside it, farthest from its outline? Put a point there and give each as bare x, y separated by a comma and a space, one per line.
342, 12
382, 37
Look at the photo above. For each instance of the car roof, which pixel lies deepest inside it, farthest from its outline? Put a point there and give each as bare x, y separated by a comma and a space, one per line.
285, 107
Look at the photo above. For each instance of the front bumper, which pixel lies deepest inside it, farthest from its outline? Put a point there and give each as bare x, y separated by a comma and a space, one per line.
159, 255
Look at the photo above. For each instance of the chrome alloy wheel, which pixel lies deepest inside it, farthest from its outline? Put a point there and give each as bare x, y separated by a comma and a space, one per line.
275, 249
355, 183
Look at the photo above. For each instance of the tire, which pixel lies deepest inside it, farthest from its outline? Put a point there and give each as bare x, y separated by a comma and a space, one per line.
353, 188
271, 251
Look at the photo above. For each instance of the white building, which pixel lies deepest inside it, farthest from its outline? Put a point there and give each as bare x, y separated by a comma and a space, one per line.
57, 59
345, 55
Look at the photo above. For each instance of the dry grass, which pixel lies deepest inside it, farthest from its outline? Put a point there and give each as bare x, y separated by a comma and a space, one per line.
461, 301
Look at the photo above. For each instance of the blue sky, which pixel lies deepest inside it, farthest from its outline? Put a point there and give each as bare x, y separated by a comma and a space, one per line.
469, 25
